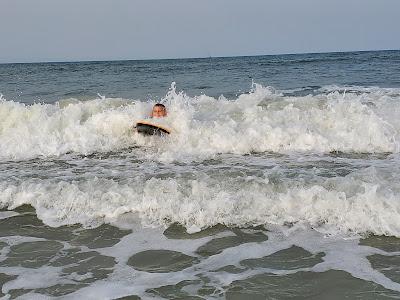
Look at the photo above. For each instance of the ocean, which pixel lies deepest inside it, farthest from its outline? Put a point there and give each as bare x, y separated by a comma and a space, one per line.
280, 179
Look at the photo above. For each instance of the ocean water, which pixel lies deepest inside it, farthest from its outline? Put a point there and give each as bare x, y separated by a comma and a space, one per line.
281, 179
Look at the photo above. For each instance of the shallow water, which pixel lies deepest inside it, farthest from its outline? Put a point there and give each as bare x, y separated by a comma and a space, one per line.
107, 262
283, 188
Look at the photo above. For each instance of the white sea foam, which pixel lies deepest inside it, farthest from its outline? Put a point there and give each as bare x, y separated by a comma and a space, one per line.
30, 278
360, 202
262, 120
365, 200
339, 254
7, 214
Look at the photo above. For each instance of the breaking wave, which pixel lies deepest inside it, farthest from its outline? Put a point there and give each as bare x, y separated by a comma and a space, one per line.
360, 120
181, 186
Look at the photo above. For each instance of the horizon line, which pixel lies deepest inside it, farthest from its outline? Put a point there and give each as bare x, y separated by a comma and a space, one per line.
183, 58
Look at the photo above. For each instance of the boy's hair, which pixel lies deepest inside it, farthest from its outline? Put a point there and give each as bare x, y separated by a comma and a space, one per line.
160, 105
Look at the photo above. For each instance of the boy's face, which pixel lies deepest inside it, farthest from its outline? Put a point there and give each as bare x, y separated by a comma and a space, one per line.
158, 112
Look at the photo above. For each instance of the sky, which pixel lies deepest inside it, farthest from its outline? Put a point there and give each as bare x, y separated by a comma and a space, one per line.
76, 30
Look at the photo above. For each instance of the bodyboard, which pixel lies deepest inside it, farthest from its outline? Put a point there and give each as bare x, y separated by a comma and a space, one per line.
148, 128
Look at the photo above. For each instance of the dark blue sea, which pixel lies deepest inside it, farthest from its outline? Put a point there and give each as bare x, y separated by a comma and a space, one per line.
280, 178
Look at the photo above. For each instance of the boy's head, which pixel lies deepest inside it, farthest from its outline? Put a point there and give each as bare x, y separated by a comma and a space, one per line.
159, 111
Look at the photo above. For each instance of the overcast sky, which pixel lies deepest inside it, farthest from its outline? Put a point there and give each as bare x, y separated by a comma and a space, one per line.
65, 30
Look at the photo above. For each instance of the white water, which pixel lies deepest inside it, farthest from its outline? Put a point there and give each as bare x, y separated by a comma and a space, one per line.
360, 202
262, 120
339, 254
200, 176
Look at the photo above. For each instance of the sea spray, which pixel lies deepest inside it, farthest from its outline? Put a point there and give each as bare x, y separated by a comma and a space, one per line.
361, 202
258, 121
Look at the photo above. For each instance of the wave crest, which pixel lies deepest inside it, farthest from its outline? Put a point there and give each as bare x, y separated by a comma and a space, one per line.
258, 121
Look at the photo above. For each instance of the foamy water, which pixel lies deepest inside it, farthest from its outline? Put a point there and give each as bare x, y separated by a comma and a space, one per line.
259, 121
211, 170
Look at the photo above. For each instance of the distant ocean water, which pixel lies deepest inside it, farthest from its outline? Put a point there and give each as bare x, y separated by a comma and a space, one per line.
281, 178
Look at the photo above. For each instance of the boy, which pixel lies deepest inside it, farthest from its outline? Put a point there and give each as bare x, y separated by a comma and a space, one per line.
159, 111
